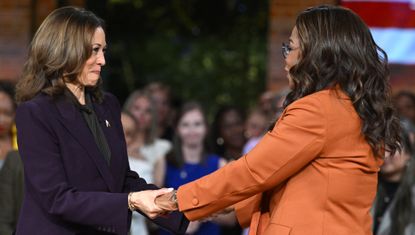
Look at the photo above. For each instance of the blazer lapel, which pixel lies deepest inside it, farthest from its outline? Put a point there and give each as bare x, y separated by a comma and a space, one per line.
108, 126
73, 121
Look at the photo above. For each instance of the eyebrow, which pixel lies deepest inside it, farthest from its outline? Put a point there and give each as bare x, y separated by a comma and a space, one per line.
98, 44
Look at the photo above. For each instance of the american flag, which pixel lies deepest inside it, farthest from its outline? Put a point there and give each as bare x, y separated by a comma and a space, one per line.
392, 24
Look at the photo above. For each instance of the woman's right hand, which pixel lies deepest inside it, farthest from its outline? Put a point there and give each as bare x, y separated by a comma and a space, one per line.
145, 201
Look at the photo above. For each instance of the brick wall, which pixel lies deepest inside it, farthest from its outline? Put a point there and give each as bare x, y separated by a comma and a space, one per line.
281, 20
19, 19
14, 36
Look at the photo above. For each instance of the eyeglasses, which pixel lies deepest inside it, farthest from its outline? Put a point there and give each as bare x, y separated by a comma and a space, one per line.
286, 49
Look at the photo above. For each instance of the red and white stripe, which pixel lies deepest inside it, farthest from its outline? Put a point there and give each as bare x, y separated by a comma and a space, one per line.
392, 24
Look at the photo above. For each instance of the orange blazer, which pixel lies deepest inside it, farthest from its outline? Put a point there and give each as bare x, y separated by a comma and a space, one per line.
314, 173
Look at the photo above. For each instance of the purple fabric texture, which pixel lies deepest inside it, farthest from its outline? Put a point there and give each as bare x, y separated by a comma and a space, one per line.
69, 187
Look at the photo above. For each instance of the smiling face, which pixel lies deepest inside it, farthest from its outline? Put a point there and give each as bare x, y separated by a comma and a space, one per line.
394, 166
192, 128
232, 129
142, 111
92, 69
293, 55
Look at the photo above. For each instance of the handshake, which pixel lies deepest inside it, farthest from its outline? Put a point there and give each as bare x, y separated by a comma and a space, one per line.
153, 203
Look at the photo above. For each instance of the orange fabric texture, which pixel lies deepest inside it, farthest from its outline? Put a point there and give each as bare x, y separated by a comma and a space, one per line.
314, 173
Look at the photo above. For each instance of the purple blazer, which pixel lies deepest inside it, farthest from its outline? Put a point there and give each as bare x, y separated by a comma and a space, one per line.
69, 187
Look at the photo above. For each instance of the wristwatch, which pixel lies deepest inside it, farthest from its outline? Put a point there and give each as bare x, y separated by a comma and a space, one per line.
173, 198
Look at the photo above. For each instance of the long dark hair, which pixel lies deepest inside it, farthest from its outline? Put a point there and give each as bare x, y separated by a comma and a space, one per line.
58, 53
175, 156
402, 212
337, 49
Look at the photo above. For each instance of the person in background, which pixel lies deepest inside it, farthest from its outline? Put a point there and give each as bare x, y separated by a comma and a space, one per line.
228, 132
77, 179
151, 148
315, 171
11, 192
11, 168
255, 127
7, 112
394, 207
404, 102
271, 103
138, 163
162, 97
228, 138
191, 159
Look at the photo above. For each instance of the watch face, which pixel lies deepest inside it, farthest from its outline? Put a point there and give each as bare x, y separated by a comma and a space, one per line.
173, 197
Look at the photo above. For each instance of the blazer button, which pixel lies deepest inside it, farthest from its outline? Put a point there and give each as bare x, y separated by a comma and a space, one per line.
195, 201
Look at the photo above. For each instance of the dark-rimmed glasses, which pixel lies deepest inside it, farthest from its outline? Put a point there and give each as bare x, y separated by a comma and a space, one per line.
286, 49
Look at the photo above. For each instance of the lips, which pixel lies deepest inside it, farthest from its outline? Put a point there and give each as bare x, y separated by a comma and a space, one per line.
96, 72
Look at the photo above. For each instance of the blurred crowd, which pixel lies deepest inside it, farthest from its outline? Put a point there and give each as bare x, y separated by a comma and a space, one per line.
170, 146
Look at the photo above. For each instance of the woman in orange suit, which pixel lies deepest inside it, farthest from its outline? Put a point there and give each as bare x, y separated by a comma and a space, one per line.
315, 172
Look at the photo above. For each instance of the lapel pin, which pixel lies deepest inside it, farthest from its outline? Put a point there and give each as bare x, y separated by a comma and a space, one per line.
107, 123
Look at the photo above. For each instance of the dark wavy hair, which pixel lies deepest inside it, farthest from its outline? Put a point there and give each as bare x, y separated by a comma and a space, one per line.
58, 53
337, 49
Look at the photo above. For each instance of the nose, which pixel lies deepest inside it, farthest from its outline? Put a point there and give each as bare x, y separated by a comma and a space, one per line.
101, 59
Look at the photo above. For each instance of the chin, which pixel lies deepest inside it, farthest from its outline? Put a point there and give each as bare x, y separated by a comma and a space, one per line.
92, 83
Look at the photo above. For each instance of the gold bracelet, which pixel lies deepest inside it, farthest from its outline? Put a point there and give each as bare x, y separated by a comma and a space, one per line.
130, 204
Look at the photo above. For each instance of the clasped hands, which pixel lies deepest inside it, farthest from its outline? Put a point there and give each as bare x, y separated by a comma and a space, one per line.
153, 203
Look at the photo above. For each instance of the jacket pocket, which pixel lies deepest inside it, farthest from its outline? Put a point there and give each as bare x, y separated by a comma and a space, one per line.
277, 229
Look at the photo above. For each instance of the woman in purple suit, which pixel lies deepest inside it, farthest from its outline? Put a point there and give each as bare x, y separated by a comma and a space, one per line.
77, 177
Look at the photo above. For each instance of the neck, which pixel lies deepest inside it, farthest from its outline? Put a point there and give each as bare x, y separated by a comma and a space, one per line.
78, 91
140, 138
192, 154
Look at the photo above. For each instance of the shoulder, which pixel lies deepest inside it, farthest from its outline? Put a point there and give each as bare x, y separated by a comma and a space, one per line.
163, 145
213, 157
319, 101
216, 160
311, 100
12, 161
39, 100
310, 106
14, 157
110, 99
156, 150
40, 105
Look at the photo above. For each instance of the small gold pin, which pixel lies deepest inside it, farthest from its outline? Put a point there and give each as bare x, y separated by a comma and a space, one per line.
107, 123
